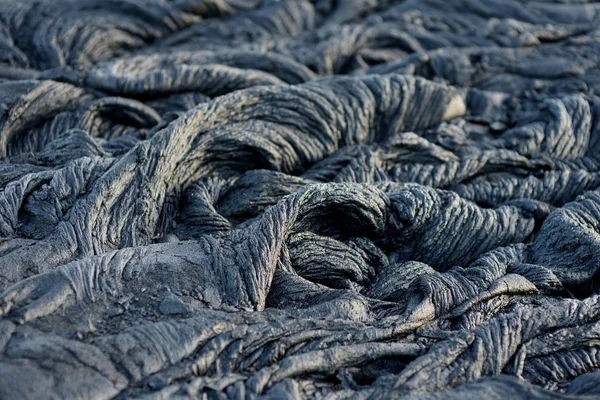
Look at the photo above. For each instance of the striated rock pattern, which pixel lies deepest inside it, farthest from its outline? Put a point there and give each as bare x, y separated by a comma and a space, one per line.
287, 199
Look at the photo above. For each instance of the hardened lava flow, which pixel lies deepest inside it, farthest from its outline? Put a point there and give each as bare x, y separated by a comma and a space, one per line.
289, 199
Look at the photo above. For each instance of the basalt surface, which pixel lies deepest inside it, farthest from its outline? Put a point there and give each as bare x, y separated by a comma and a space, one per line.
262, 199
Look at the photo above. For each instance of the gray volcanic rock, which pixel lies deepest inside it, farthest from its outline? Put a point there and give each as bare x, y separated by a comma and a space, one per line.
286, 199
171, 305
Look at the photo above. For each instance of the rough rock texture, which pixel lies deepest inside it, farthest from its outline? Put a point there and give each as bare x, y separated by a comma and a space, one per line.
285, 199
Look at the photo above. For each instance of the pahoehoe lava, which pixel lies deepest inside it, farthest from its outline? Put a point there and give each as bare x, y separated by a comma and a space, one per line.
288, 199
